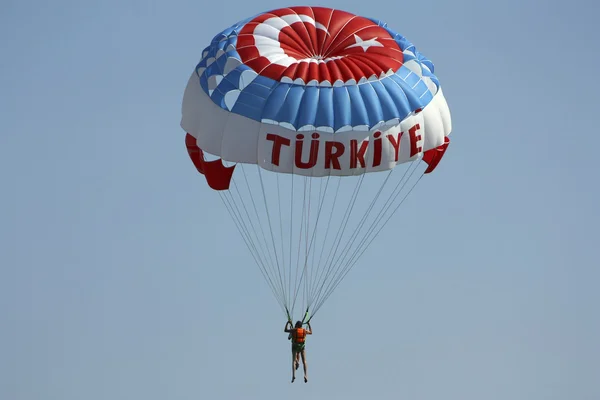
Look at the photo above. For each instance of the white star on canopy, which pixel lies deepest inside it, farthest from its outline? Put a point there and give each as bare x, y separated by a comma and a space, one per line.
365, 44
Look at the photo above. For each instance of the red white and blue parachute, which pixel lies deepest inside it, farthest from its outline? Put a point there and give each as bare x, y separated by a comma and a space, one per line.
307, 114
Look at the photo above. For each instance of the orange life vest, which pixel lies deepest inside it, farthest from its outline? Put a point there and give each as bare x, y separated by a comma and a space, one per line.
299, 335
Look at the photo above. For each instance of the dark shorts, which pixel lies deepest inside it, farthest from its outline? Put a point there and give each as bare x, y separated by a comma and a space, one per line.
298, 347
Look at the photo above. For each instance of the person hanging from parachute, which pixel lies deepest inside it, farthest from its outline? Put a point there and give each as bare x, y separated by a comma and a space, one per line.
297, 334
323, 95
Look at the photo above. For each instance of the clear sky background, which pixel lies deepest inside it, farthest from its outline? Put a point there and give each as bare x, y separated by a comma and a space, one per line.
122, 276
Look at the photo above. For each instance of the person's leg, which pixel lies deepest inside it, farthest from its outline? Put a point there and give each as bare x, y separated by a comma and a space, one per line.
294, 357
304, 365
297, 359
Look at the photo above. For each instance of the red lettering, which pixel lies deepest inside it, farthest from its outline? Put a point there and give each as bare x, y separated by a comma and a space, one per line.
357, 154
331, 156
278, 141
314, 151
395, 142
377, 149
414, 138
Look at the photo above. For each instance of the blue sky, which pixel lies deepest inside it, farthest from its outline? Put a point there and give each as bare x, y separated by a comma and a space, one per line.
122, 276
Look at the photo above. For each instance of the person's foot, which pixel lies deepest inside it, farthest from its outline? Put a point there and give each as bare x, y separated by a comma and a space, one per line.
305, 379
293, 379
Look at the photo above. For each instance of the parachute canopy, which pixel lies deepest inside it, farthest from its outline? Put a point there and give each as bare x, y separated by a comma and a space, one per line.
293, 106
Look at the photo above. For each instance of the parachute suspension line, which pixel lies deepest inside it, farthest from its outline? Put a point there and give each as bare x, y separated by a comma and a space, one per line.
240, 217
291, 234
364, 248
354, 235
243, 230
395, 193
342, 269
305, 214
371, 240
340, 233
309, 282
336, 264
270, 272
266, 243
307, 272
331, 213
303, 239
301, 222
305, 277
346, 219
356, 216
365, 243
315, 234
281, 235
339, 265
318, 271
271, 230
307, 245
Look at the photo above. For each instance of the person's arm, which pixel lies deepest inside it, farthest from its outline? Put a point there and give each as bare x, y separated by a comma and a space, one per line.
309, 330
286, 330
